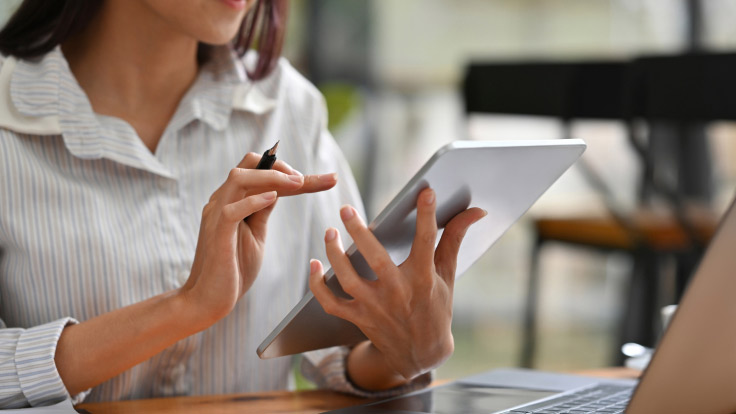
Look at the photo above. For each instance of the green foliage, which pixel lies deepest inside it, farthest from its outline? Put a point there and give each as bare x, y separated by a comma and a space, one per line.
342, 100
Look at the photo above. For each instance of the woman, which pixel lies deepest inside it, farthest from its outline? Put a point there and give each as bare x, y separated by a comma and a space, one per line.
119, 126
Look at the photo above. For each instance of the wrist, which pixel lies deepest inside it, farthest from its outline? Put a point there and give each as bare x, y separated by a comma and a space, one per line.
191, 314
368, 369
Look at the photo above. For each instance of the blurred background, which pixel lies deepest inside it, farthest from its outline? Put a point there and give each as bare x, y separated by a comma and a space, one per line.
397, 75
617, 236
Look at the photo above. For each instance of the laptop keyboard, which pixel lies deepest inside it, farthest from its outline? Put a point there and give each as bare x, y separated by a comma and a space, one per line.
608, 399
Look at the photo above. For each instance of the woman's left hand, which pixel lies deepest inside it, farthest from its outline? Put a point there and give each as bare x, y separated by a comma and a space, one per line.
407, 312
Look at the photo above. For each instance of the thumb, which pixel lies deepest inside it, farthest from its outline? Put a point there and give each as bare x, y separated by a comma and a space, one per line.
445, 257
258, 221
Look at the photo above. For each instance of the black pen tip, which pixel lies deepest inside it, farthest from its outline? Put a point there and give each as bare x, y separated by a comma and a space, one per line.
272, 151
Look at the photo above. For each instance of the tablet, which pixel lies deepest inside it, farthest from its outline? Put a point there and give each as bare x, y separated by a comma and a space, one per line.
502, 177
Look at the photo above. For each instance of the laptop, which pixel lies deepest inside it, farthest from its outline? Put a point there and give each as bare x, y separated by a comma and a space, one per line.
693, 370
503, 177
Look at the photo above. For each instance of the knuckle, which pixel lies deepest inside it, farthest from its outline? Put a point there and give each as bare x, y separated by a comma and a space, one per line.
442, 268
233, 174
282, 178
421, 288
254, 201
350, 285
405, 308
228, 213
309, 180
428, 237
382, 265
447, 348
331, 308
207, 209
215, 194
458, 238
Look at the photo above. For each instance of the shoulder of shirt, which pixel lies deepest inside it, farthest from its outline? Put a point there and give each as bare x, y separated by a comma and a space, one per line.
295, 81
289, 87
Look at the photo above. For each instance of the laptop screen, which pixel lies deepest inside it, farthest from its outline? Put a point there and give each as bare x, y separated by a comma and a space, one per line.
694, 367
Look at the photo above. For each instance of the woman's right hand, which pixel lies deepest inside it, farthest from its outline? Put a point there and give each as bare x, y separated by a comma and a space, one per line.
226, 262
230, 249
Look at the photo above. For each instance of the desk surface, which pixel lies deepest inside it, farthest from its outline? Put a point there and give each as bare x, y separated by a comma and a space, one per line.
302, 402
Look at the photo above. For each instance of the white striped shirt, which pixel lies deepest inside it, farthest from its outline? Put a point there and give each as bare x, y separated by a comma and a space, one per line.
91, 221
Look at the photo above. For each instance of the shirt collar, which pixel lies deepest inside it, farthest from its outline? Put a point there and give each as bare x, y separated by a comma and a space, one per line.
221, 87
42, 97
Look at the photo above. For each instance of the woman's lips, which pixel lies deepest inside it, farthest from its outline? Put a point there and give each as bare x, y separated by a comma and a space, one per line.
235, 4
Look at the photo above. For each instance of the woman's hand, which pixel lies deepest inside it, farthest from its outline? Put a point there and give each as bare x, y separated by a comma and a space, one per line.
230, 249
227, 260
407, 312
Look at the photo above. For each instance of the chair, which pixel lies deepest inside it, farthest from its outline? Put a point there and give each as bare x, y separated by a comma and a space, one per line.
631, 92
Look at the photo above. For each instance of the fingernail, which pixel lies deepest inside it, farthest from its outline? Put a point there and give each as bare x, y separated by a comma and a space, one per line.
269, 195
296, 178
485, 213
330, 235
347, 212
295, 172
429, 197
328, 178
313, 266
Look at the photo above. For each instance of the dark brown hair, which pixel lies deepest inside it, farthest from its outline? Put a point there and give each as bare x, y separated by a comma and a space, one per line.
38, 26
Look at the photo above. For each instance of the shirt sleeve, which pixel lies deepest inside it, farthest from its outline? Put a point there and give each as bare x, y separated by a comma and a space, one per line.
28, 375
327, 367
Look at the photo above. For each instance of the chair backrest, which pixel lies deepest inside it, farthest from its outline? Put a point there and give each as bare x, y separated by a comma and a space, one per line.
565, 90
687, 88
692, 87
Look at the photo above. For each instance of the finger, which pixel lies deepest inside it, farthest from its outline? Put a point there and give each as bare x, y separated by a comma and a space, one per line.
372, 250
285, 168
351, 283
332, 304
252, 159
422, 249
241, 182
237, 211
445, 259
258, 221
313, 184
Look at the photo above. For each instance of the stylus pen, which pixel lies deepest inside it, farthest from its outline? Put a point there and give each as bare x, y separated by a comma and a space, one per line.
267, 160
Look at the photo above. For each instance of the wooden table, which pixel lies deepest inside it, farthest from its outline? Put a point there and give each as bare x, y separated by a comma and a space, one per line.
301, 402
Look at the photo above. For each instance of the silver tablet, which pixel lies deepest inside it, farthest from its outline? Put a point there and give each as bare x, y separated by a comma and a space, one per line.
502, 177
